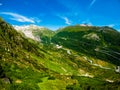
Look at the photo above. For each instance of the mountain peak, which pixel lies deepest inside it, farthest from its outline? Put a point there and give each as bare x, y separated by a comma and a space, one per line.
28, 30
26, 27
85, 24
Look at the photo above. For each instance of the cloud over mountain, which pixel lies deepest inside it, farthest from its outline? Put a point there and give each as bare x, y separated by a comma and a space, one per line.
20, 18
67, 21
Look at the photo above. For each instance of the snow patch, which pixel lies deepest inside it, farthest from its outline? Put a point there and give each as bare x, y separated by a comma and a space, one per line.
117, 69
27, 30
108, 80
58, 46
69, 52
84, 24
88, 75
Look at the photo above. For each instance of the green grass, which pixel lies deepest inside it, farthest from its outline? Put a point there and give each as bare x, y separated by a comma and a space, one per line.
31, 65
52, 85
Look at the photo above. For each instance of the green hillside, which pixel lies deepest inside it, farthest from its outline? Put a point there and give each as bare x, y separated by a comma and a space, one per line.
98, 42
66, 60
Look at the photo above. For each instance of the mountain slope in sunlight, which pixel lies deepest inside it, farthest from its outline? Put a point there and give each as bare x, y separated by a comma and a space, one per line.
98, 42
54, 63
35, 32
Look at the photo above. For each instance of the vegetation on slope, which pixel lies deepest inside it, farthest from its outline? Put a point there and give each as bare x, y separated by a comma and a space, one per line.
98, 42
29, 65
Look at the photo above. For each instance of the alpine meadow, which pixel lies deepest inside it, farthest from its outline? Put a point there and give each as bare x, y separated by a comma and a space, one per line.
59, 45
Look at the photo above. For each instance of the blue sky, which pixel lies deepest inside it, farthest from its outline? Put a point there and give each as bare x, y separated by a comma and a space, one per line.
59, 13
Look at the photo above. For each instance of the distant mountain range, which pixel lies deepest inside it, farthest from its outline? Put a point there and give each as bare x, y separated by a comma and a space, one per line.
71, 58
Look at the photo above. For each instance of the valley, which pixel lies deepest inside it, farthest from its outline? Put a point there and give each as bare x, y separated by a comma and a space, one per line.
72, 58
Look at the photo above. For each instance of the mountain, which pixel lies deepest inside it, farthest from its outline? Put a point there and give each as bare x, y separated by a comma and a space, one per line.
98, 42
28, 30
17, 65
35, 32
58, 62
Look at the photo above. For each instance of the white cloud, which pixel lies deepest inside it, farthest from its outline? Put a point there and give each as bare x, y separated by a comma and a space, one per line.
67, 21
111, 25
1, 4
92, 3
20, 18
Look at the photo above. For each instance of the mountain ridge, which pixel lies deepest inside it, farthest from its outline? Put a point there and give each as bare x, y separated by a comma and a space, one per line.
52, 64
89, 38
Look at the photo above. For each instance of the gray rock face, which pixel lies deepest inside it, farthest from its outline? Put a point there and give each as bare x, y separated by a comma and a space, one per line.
117, 69
6, 80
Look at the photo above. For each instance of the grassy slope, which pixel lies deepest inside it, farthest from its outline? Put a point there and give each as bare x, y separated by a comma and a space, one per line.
33, 66
98, 42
